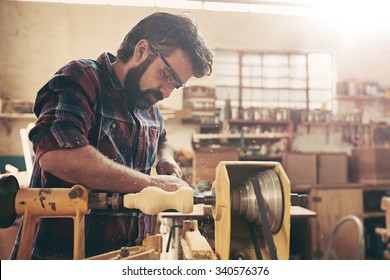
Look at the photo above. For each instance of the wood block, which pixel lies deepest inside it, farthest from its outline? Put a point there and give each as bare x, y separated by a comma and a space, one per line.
196, 247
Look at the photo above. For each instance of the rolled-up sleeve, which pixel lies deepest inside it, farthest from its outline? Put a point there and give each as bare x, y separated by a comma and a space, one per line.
65, 109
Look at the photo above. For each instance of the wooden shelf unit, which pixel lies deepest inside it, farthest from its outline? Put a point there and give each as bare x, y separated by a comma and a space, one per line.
201, 101
7, 118
360, 102
359, 98
256, 139
17, 116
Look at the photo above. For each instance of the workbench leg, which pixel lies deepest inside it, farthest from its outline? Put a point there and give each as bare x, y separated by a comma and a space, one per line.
79, 236
27, 237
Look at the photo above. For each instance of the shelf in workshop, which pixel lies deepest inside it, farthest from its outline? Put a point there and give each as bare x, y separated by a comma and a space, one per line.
5, 119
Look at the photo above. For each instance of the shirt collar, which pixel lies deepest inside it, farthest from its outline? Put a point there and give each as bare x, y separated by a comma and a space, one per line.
108, 59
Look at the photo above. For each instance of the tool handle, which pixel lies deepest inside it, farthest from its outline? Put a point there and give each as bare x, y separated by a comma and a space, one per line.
153, 200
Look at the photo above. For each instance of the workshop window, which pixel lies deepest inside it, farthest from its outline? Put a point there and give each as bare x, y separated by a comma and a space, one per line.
273, 80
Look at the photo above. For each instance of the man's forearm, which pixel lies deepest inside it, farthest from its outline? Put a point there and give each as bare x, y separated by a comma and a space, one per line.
86, 166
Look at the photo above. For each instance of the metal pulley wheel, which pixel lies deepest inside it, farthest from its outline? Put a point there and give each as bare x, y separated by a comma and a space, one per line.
244, 201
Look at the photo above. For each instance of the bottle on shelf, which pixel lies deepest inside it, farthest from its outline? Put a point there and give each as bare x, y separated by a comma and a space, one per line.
228, 109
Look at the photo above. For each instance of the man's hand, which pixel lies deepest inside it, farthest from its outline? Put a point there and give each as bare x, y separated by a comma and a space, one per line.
168, 166
168, 183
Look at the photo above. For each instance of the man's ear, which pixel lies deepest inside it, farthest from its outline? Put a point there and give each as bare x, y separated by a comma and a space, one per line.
141, 51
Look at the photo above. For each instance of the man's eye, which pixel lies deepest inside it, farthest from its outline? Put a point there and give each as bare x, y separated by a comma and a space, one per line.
164, 75
168, 76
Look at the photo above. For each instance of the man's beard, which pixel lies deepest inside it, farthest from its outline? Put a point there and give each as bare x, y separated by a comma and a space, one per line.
141, 99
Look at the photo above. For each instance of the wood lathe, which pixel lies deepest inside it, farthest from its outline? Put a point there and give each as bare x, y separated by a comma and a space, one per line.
251, 209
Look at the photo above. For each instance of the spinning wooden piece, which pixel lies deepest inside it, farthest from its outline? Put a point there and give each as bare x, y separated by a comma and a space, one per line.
153, 200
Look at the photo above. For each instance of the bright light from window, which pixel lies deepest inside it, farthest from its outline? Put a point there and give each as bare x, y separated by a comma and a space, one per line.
134, 3
346, 14
43, 1
179, 4
227, 7
354, 16
91, 2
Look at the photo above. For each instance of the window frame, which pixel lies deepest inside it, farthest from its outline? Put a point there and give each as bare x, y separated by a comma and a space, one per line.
237, 90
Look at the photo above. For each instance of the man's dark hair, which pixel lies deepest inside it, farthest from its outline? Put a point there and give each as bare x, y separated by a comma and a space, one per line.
165, 32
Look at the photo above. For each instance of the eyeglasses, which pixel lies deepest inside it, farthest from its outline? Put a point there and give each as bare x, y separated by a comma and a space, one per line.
170, 78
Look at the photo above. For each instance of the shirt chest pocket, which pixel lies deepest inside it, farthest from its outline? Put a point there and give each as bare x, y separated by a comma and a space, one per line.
117, 138
148, 143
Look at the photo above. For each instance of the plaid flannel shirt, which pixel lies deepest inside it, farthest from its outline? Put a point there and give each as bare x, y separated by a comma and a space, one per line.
83, 104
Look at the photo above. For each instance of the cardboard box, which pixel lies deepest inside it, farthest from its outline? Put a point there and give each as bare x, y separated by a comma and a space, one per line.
301, 168
206, 160
370, 164
332, 168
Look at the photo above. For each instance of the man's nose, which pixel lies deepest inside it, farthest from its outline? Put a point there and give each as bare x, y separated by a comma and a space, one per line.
166, 91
